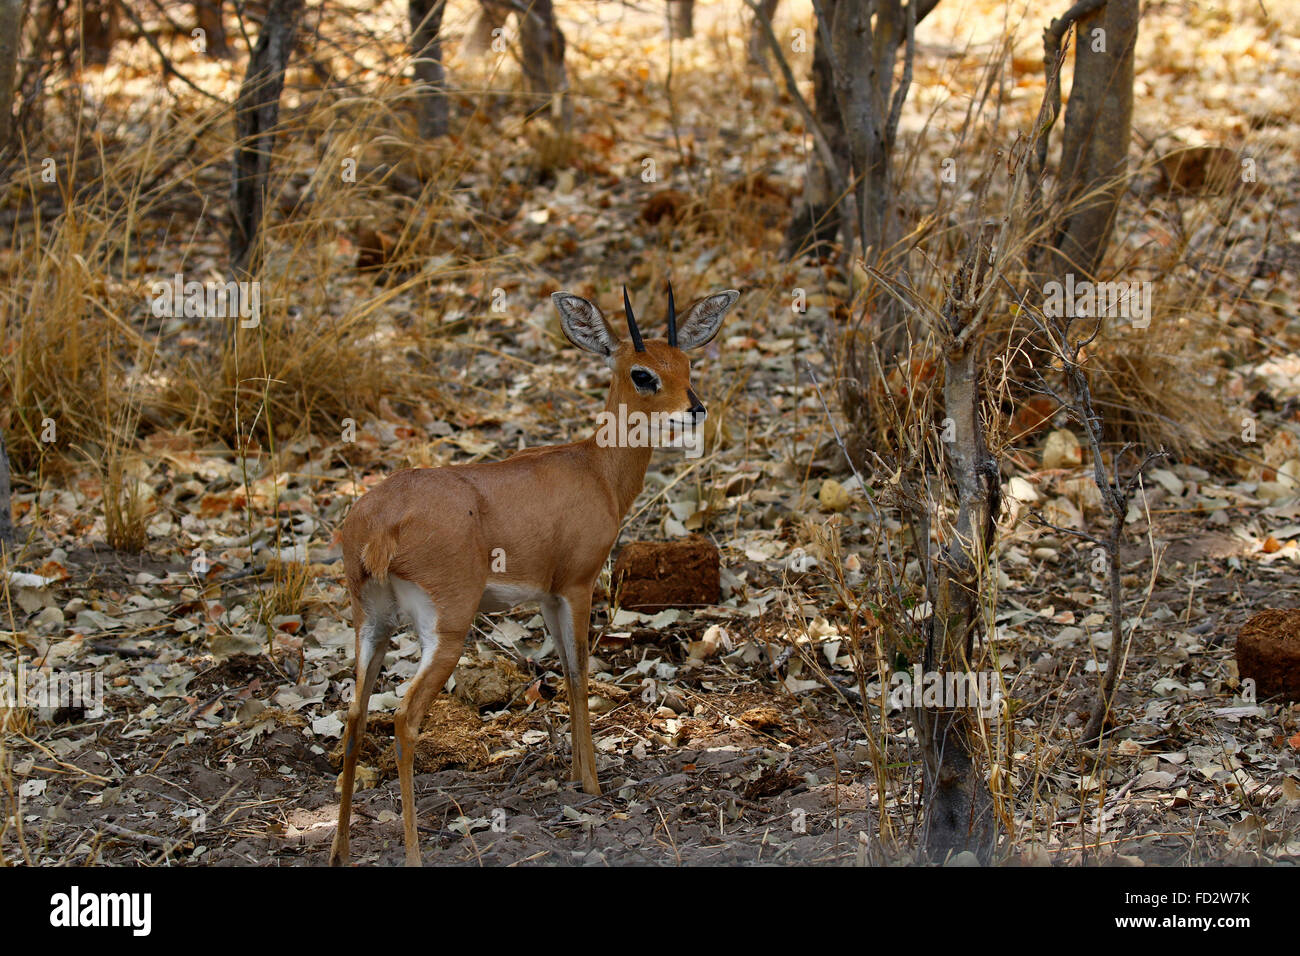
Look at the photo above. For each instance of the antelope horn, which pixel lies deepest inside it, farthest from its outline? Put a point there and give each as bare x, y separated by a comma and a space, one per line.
672, 318
631, 323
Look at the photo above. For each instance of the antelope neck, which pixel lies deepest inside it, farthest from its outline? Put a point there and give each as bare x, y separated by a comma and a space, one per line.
622, 468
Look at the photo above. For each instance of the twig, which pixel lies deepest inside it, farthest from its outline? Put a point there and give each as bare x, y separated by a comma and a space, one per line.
1053, 58
1115, 490
139, 837
838, 440
106, 648
166, 61
820, 138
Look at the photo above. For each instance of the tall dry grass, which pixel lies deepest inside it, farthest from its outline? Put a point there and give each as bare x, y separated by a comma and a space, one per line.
83, 357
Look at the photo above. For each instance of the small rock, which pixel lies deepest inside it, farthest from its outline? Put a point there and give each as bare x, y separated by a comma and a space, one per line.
1062, 450
1032, 416
760, 717
1169, 481
833, 496
715, 640
1021, 490
50, 618
1063, 513
1083, 491
800, 561
1286, 483
701, 650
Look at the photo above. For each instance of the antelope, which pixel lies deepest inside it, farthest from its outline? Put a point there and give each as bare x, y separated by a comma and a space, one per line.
437, 545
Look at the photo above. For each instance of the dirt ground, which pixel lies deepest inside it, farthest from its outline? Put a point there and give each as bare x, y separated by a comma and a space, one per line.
752, 731
737, 770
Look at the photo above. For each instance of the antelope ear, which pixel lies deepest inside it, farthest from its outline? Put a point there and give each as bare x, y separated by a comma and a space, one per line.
584, 325
704, 318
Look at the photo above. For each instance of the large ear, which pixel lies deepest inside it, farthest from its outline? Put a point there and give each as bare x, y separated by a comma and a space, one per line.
704, 318
583, 324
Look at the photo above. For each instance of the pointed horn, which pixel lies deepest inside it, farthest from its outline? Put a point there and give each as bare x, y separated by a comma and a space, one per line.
631, 323
672, 318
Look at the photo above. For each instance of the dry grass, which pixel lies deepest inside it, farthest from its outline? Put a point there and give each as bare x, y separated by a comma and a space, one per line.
61, 339
126, 512
286, 593
1159, 386
13, 722
1154, 385
87, 369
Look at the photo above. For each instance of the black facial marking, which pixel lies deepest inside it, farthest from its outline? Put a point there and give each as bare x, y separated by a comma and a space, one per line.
645, 381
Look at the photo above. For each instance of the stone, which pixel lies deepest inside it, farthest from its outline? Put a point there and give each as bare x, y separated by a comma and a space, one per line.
833, 496
1083, 491
651, 576
1062, 450
1032, 416
1268, 652
1020, 489
1280, 484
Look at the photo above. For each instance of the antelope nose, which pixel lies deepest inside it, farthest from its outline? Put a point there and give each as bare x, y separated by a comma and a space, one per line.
697, 410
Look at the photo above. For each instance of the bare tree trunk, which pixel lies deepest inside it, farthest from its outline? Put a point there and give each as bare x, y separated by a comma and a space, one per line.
426, 47
848, 191
816, 221
681, 19
489, 18
958, 808
6, 509
257, 112
863, 60
99, 29
543, 58
208, 18
757, 42
1098, 124
858, 105
11, 32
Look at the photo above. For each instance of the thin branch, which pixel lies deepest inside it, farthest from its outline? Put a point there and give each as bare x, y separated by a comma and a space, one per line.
1053, 58
905, 82
839, 440
1038, 519
820, 138
166, 61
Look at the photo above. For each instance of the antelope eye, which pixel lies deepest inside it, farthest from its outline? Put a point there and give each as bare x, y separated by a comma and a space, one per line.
645, 381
